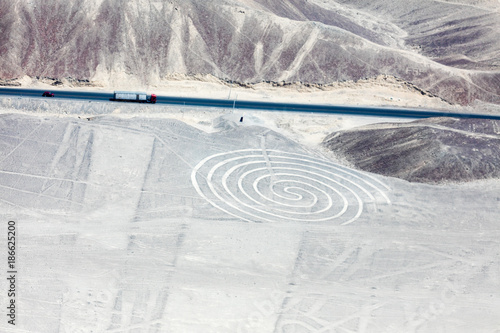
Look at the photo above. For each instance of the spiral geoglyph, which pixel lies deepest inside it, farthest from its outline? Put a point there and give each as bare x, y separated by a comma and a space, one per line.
270, 186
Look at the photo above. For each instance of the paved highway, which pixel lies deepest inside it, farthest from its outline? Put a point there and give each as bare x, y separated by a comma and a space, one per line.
226, 103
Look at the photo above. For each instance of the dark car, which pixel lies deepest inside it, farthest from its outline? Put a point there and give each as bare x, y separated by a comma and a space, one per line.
48, 94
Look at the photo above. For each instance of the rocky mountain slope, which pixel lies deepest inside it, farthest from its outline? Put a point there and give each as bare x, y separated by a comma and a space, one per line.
434, 150
448, 48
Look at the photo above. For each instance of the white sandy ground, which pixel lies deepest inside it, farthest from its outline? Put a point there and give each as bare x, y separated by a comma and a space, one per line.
380, 91
307, 128
131, 221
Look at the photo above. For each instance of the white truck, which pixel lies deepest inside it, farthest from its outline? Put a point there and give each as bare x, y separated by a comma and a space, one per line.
133, 96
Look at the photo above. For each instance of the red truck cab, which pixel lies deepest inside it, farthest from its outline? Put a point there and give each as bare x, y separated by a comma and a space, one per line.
153, 98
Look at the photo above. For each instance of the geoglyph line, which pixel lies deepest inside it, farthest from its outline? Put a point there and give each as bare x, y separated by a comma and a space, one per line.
277, 186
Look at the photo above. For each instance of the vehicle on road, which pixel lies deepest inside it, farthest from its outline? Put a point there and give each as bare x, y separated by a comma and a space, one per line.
48, 94
133, 96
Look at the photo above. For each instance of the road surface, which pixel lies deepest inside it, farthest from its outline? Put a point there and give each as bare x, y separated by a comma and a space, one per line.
241, 104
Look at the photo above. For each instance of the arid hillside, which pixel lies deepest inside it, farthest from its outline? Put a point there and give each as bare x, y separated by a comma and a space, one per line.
448, 48
434, 150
